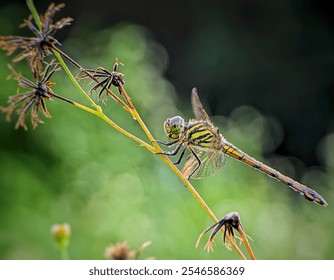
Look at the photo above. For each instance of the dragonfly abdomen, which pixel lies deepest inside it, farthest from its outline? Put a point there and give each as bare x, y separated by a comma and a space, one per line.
308, 193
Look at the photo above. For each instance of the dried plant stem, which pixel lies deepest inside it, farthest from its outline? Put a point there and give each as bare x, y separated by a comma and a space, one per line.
246, 242
74, 81
97, 111
125, 132
201, 202
137, 117
102, 116
76, 64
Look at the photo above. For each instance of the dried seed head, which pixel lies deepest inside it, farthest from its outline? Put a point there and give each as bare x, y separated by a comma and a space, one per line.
230, 221
104, 78
33, 99
35, 49
119, 251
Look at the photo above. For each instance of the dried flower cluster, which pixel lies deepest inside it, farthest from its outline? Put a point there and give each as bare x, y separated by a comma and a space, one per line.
33, 99
114, 78
122, 251
230, 221
119, 251
35, 50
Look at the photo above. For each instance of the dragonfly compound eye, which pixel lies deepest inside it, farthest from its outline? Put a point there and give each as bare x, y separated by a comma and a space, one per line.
174, 127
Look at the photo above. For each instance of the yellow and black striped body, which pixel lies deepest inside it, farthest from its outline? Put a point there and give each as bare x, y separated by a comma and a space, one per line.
204, 136
236, 153
201, 134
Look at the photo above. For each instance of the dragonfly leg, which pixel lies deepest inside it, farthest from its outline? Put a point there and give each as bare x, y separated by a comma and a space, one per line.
198, 160
172, 153
181, 156
168, 144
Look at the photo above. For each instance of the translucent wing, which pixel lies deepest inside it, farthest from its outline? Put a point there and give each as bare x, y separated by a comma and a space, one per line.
212, 161
198, 109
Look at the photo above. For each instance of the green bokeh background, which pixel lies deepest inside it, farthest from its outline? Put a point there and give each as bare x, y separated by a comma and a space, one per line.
76, 169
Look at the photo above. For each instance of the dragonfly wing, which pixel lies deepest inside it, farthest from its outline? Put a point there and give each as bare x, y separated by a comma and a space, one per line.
205, 141
211, 162
198, 109
189, 166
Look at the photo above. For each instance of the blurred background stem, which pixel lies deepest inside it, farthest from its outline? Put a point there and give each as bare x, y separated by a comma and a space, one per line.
64, 253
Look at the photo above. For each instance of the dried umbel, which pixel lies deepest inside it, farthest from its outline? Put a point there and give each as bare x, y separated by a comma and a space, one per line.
229, 222
33, 99
119, 251
105, 79
35, 49
122, 251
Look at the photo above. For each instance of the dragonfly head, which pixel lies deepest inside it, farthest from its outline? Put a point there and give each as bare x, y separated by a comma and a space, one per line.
174, 127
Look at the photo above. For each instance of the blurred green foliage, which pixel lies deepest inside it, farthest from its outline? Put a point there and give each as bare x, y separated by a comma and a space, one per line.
76, 169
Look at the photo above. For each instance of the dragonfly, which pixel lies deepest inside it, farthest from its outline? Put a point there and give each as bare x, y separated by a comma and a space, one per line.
208, 147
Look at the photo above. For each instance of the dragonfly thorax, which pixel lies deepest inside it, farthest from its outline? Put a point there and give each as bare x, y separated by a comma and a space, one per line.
174, 127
